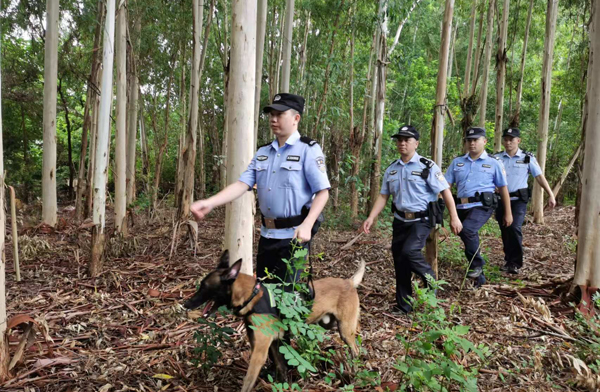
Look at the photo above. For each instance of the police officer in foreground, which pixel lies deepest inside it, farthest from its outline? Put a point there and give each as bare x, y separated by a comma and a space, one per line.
414, 183
292, 188
477, 175
519, 165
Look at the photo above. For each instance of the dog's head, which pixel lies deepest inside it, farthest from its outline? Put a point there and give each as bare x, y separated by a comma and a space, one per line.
215, 288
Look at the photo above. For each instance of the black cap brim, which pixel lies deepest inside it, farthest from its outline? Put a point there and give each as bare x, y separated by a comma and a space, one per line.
474, 136
510, 135
404, 134
276, 106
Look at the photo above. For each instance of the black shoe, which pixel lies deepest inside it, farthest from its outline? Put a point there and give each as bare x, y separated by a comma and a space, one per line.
504, 268
475, 272
512, 269
397, 311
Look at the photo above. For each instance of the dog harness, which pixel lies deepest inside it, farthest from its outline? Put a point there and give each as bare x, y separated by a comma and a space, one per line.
265, 305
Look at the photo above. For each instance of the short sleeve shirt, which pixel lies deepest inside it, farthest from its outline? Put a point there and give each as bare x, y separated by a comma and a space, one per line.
286, 180
410, 191
517, 170
470, 176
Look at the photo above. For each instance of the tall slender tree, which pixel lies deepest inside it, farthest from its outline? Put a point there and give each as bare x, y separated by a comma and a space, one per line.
288, 30
587, 270
101, 164
486, 63
49, 202
514, 122
261, 29
501, 59
120, 172
4, 347
132, 118
544, 117
239, 220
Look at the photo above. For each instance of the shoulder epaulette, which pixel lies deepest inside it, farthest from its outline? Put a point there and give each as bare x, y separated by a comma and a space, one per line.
394, 161
496, 157
428, 165
265, 145
307, 140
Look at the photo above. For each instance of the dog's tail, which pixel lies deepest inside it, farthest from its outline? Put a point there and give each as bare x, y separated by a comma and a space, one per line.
358, 276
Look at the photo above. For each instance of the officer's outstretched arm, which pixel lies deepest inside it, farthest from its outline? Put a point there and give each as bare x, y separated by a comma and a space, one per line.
202, 207
505, 197
377, 208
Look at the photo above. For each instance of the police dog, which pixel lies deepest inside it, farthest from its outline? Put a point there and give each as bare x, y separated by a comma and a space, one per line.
335, 299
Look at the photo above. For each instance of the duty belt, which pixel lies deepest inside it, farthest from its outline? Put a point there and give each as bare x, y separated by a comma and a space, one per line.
519, 192
285, 223
466, 200
412, 215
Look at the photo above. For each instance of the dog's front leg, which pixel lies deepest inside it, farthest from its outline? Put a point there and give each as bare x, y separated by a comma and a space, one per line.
260, 351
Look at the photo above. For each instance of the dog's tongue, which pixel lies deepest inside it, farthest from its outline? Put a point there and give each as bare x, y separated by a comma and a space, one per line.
207, 308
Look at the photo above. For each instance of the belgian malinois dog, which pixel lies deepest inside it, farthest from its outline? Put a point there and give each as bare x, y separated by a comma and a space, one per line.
335, 299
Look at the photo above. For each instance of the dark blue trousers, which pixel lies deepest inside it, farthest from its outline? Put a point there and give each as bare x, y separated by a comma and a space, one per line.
512, 236
473, 219
407, 242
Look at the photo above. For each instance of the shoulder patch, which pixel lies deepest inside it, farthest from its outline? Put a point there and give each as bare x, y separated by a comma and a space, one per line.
307, 140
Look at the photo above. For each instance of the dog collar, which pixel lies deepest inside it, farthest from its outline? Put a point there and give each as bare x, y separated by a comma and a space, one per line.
255, 292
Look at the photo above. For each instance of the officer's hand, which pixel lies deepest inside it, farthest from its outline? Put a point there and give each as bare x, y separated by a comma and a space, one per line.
366, 226
302, 233
508, 220
551, 202
456, 225
200, 209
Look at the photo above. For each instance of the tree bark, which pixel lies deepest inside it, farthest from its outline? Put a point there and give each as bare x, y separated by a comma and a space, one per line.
63, 98
92, 89
514, 122
239, 219
92, 161
538, 196
132, 119
437, 131
189, 154
101, 164
49, 203
587, 271
558, 185
4, 346
163, 147
470, 50
120, 173
486, 64
288, 31
478, 52
501, 60
261, 30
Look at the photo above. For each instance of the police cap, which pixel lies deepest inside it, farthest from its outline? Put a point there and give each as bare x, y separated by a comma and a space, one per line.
406, 131
285, 101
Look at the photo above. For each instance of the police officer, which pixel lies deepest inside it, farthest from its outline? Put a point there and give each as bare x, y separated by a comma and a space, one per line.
476, 175
414, 183
292, 188
519, 165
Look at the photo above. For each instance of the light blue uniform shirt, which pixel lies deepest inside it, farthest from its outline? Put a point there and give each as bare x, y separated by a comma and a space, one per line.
410, 192
517, 171
482, 175
286, 180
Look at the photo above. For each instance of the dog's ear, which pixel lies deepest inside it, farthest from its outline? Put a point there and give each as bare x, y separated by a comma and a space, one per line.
233, 271
224, 260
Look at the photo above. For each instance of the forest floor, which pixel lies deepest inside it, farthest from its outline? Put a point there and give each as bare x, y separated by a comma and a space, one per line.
126, 331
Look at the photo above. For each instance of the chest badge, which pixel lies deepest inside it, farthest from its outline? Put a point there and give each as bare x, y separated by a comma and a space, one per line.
486, 166
416, 173
393, 172
460, 164
521, 162
262, 158
293, 158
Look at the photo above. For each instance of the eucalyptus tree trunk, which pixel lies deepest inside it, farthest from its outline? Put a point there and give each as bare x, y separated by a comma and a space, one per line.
587, 270
437, 131
470, 50
486, 62
49, 203
4, 347
92, 161
132, 118
189, 155
239, 220
182, 125
478, 52
514, 122
379, 104
303, 53
288, 31
261, 30
101, 164
501, 59
91, 95
544, 117
120, 173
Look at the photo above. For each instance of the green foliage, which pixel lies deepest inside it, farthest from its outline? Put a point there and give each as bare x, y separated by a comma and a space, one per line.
209, 340
431, 360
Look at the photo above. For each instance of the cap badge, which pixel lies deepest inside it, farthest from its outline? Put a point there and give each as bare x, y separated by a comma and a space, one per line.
509, 131
404, 128
471, 132
276, 98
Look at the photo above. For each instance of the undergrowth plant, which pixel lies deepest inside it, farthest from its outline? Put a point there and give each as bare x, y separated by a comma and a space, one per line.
210, 339
432, 360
